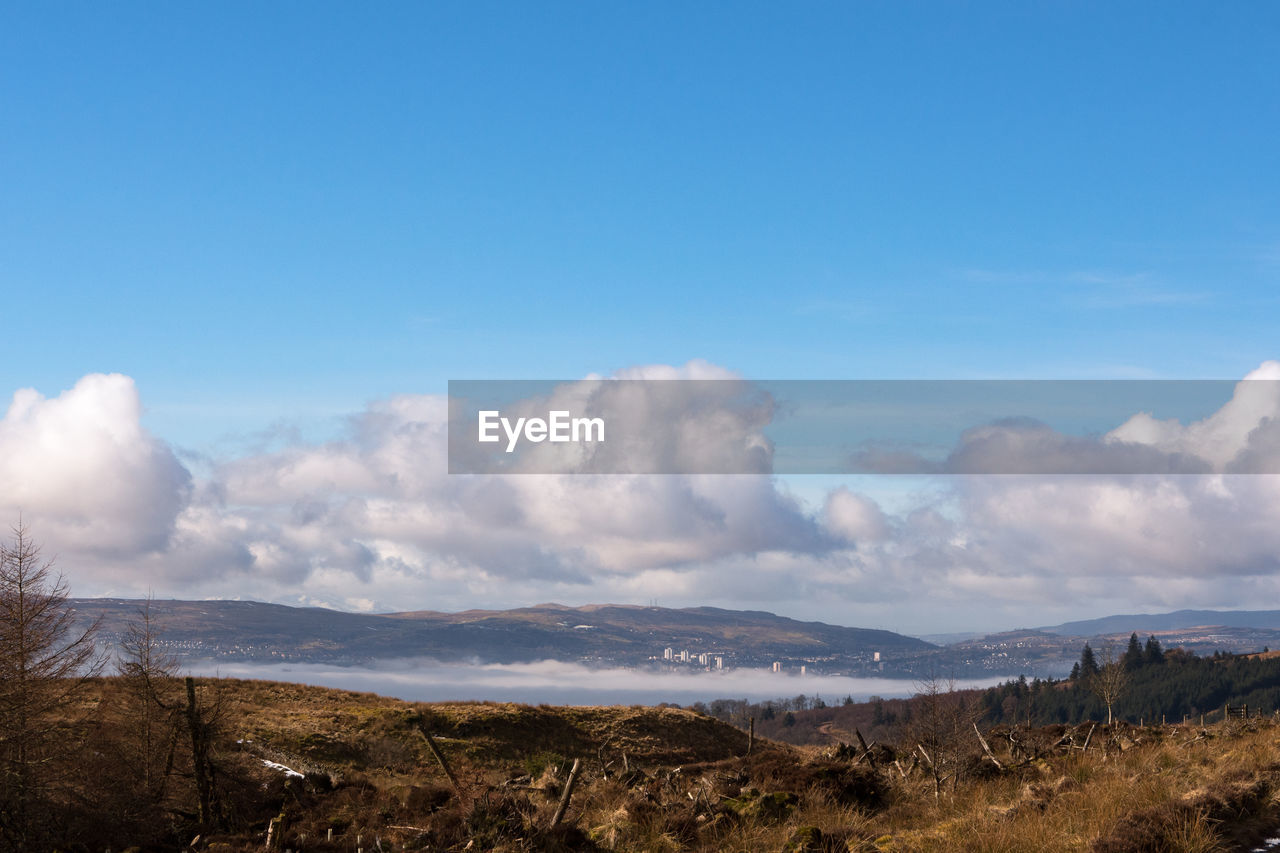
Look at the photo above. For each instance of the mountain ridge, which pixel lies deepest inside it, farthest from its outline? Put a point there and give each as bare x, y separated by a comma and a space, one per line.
607, 633
1167, 621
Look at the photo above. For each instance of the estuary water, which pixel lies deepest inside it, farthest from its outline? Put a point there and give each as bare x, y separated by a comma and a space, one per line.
565, 683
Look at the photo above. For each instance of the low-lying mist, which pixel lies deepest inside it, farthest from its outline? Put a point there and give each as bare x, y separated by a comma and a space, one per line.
565, 683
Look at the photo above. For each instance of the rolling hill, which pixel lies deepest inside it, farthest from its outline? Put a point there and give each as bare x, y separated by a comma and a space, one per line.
1177, 620
249, 630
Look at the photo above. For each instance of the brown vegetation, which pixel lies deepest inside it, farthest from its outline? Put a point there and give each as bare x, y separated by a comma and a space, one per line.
655, 779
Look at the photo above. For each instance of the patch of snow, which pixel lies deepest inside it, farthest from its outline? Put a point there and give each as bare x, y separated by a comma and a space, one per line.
288, 771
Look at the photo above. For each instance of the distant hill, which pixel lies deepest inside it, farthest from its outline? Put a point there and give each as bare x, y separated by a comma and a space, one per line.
1175, 621
256, 631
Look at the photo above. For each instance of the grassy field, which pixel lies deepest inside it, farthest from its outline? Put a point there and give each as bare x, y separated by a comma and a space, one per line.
666, 779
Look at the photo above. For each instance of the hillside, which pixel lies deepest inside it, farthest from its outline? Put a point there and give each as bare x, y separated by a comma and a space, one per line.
1178, 620
248, 630
306, 768
347, 730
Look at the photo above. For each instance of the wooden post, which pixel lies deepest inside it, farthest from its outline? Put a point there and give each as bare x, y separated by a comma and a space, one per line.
199, 757
444, 765
568, 792
751, 734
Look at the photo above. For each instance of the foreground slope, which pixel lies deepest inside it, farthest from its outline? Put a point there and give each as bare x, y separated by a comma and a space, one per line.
327, 770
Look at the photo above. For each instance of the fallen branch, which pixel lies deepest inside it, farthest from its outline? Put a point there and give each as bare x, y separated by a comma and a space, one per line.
986, 748
568, 793
444, 765
866, 750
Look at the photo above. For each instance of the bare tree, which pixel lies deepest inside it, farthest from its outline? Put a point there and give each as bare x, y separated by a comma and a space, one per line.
46, 658
1111, 681
940, 727
152, 711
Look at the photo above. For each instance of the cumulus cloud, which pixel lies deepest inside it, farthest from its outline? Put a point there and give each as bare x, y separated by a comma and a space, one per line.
370, 519
1241, 437
83, 465
853, 517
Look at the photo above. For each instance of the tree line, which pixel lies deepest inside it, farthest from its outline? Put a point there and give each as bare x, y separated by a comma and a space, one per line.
1147, 684
1142, 683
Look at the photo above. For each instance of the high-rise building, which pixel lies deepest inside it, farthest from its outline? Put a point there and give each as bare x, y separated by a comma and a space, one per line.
777, 666
668, 654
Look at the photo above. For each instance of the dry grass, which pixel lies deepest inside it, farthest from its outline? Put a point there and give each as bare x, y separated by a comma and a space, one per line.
670, 780
1177, 794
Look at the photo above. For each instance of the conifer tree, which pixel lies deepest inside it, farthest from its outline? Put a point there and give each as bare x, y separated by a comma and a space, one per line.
1133, 655
1088, 663
46, 658
1153, 654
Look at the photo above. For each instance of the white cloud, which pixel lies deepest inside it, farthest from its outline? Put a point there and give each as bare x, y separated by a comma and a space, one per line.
854, 517
82, 467
1239, 437
371, 520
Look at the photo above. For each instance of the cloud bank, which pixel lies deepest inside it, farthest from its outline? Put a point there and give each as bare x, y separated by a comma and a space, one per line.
560, 682
371, 520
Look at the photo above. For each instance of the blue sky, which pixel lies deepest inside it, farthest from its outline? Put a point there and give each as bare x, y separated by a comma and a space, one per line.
282, 215
273, 213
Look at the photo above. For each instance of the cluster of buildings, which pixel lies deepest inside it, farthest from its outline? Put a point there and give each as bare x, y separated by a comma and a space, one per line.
710, 661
